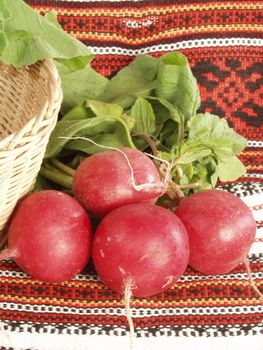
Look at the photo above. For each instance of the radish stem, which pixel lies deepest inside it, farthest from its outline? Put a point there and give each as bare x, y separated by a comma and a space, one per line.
150, 142
57, 176
63, 167
189, 186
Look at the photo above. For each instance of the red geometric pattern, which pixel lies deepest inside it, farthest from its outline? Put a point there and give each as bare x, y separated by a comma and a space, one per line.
74, 295
223, 43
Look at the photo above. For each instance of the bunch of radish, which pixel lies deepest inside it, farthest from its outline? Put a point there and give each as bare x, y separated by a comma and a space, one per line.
136, 242
138, 248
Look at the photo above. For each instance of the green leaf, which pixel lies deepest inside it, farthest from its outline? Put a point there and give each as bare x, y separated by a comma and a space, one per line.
173, 110
128, 120
214, 178
211, 146
177, 84
188, 171
231, 169
143, 115
170, 122
169, 133
189, 152
3, 41
110, 132
167, 156
183, 174
222, 147
102, 109
53, 18
126, 102
161, 113
32, 37
66, 66
79, 86
79, 112
21, 35
209, 126
4, 12
201, 174
137, 79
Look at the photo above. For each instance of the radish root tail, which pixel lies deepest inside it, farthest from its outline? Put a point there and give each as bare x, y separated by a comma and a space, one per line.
127, 301
251, 281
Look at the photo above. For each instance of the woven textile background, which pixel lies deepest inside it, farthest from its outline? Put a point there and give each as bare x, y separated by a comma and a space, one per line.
223, 41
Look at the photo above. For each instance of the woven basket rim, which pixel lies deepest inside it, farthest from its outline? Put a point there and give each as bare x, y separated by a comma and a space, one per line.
50, 67
23, 149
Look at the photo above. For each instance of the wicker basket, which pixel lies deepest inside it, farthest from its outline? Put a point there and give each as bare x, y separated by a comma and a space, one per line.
30, 99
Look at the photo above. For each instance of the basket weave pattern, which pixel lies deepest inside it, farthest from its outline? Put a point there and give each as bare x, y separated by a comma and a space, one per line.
30, 99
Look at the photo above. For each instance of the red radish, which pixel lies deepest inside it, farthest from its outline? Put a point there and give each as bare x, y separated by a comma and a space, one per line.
221, 230
143, 245
110, 179
49, 236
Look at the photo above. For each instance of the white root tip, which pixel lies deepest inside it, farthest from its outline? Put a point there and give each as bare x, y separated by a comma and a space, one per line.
251, 281
127, 300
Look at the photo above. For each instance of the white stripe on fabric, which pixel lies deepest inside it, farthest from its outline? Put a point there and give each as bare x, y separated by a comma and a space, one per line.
187, 44
136, 312
254, 175
254, 143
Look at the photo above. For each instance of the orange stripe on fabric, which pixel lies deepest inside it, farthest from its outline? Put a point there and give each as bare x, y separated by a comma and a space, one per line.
149, 303
146, 11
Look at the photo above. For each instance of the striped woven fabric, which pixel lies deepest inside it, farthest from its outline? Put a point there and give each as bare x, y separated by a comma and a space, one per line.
223, 41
